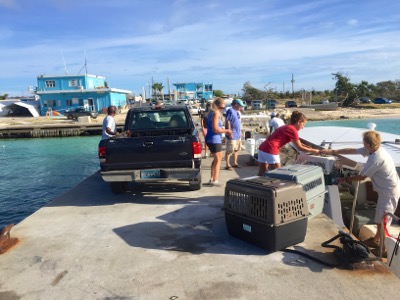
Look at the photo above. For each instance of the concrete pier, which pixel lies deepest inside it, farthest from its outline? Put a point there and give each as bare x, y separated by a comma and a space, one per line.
163, 241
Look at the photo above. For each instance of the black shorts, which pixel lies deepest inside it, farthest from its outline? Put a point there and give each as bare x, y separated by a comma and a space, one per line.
214, 148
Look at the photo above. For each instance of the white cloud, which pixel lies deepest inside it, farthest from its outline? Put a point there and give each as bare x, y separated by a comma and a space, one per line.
226, 42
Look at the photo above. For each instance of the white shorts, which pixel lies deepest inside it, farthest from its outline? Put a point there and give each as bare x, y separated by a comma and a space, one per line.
266, 158
232, 145
386, 203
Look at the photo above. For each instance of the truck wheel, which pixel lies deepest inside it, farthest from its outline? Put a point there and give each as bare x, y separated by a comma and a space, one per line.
70, 117
118, 187
195, 185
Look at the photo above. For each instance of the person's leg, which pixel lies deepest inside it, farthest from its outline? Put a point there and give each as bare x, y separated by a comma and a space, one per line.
262, 168
227, 160
212, 149
262, 163
228, 153
275, 166
235, 153
216, 165
387, 202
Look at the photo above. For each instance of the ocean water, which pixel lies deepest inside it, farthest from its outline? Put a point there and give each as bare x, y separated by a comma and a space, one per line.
35, 171
386, 125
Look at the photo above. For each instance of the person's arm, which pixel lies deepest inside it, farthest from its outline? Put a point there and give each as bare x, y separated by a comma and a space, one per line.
339, 151
355, 178
110, 132
304, 148
215, 127
227, 125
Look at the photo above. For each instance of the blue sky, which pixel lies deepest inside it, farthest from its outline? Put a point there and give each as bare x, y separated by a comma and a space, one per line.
227, 42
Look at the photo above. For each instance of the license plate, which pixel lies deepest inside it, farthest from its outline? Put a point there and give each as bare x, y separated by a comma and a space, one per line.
145, 174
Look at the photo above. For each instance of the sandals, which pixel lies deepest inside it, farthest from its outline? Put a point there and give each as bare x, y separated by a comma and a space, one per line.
229, 168
236, 166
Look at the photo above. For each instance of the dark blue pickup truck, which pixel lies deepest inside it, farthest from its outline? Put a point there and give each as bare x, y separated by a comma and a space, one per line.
158, 144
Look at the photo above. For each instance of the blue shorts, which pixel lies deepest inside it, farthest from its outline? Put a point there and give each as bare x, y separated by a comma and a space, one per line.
266, 158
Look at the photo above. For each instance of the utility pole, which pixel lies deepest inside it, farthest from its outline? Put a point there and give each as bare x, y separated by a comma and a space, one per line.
169, 90
292, 81
148, 83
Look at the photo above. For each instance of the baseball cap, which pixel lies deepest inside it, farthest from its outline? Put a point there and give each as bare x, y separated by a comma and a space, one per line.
238, 101
273, 114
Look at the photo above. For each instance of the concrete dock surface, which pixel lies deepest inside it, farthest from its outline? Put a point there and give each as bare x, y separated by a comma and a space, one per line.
163, 241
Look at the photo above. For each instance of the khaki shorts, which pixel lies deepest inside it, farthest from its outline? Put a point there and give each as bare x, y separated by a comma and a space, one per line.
233, 145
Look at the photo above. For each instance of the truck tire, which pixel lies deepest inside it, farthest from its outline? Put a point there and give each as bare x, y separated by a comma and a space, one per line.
195, 185
118, 187
70, 117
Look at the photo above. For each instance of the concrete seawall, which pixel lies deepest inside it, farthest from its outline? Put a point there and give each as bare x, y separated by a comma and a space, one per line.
52, 130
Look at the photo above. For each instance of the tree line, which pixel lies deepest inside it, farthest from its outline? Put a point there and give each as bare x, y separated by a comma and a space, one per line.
345, 92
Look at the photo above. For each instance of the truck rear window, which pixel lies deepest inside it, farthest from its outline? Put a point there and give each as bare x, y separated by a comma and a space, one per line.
161, 119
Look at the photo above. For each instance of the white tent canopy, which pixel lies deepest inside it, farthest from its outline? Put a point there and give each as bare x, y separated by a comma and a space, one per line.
20, 108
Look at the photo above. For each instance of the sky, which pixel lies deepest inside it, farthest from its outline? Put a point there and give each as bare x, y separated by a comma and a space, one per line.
225, 42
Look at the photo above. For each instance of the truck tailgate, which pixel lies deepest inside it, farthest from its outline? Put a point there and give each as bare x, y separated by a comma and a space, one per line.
144, 152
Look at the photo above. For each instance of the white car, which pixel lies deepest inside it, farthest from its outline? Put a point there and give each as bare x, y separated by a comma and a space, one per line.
194, 110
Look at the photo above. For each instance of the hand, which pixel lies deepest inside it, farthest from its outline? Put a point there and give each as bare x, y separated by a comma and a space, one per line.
324, 151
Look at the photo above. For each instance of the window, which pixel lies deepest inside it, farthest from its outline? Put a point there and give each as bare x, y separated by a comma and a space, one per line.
73, 82
68, 102
50, 83
52, 103
80, 102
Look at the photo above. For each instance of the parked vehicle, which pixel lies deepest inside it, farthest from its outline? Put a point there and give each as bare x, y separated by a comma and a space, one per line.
290, 103
382, 101
324, 101
365, 100
183, 102
257, 104
161, 144
194, 110
271, 104
76, 112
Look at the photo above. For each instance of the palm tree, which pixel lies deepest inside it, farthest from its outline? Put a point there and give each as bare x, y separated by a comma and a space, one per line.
157, 87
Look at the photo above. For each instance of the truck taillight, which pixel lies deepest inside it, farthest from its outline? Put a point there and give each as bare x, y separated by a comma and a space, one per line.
102, 152
196, 149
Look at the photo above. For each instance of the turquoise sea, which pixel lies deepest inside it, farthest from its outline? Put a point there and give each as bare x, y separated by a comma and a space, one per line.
35, 171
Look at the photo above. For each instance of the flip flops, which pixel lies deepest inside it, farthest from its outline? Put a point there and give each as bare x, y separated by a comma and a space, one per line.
236, 166
229, 168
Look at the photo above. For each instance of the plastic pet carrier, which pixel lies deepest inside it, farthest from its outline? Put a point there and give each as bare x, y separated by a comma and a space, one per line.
267, 212
312, 179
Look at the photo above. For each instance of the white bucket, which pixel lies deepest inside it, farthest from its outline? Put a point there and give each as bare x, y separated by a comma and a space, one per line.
251, 146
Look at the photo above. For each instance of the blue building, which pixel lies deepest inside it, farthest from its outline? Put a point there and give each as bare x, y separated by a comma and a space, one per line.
58, 93
194, 90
